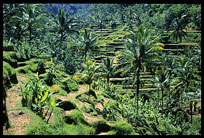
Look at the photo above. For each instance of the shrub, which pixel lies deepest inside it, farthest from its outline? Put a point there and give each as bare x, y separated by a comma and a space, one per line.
41, 67
70, 85
62, 92
5, 119
76, 117
78, 77
67, 105
7, 47
101, 126
122, 128
41, 129
32, 67
51, 76
69, 63
85, 130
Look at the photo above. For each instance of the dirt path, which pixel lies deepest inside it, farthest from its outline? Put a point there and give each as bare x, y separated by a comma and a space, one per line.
18, 119
82, 89
72, 95
90, 118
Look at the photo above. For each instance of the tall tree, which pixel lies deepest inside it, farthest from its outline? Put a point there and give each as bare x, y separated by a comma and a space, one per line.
62, 25
89, 42
31, 17
140, 49
12, 21
178, 32
108, 68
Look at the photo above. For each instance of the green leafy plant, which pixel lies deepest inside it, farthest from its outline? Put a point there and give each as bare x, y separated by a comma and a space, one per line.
108, 68
35, 95
139, 49
52, 76
90, 72
89, 42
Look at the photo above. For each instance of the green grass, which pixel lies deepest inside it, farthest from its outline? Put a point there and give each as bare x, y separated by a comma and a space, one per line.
11, 58
121, 128
76, 117
70, 85
28, 69
9, 74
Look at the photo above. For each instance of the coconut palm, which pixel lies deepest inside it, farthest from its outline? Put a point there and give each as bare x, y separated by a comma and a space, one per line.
13, 26
184, 82
62, 25
162, 80
108, 68
89, 42
140, 49
164, 70
178, 33
31, 17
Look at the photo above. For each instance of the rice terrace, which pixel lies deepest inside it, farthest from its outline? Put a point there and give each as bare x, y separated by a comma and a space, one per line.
101, 69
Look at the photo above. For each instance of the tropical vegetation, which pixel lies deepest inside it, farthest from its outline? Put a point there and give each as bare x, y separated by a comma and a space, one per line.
101, 69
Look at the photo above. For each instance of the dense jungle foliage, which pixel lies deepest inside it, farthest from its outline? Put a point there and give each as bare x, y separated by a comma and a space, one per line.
103, 69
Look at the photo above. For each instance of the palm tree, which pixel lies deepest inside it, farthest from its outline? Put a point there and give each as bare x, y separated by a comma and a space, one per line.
140, 49
184, 80
89, 42
9, 11
161, 80
23, 19
63, 25
177, 33
108, 68
14, 25
31, 17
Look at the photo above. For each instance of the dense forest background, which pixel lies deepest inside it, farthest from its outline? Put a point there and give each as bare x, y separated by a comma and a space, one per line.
160, 16
102, 69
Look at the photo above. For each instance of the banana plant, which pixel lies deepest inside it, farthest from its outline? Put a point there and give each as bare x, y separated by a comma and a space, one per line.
52, 104
35, 95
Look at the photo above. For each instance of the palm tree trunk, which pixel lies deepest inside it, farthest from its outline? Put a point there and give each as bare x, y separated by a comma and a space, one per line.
49, 116
162, 89
60, 45
191, 108
85, 56
137, 89
108, 80
177, 50
30, 35
158, 95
